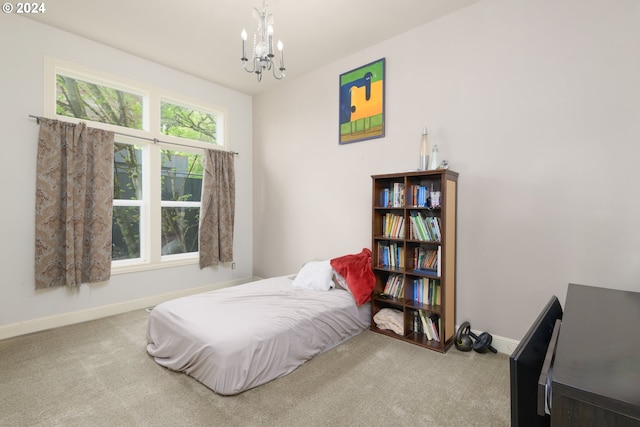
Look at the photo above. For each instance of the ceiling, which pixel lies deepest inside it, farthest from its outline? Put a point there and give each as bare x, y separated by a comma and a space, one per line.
202, 37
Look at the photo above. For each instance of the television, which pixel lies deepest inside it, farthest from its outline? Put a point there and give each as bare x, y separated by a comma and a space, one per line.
525, 365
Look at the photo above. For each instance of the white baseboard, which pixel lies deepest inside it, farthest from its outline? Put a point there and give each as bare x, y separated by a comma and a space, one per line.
504, 345
50, 322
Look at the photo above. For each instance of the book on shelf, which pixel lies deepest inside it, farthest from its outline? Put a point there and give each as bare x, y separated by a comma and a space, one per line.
433, 223
422, 196
417, 323
425, 326
425, 228
398, 191
430, 325
392, 197
390, 255
393, 226
394, 286
434, 321
418, 196
384, 197
427, 261
426, 291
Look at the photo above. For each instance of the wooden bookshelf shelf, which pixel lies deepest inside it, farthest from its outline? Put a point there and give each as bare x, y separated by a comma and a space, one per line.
409, 233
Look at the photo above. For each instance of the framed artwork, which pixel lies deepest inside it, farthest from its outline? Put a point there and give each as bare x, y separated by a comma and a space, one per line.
362, 103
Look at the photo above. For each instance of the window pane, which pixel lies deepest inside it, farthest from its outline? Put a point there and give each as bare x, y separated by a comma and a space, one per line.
181, 176
126, 233
127, 172
127, 185
184, 122
90, 101
180, 230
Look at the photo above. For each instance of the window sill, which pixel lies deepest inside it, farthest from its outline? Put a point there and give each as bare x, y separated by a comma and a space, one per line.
146, 266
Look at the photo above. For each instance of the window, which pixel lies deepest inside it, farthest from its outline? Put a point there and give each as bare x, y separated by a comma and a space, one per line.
128, 202
97, 103
185, 122
158, 178
181, 178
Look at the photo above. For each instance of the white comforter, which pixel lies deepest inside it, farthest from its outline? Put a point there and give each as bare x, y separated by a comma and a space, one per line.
237, 338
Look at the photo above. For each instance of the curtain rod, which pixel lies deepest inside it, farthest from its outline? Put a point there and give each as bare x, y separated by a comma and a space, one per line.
154, 140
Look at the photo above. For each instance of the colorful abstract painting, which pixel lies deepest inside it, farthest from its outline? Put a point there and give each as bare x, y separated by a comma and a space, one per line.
362, 103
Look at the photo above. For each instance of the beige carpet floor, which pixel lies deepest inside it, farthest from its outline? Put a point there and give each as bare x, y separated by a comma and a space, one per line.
98, 373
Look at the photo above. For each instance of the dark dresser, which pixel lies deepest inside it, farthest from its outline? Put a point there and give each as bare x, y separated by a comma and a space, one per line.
596, 372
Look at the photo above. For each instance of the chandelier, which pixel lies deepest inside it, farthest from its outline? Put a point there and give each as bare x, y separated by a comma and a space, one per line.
262, 54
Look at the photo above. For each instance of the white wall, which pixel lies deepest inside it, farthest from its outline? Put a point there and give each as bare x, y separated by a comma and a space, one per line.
535, 103
25, 43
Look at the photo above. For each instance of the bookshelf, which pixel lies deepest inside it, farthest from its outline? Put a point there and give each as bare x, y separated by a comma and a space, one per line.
414, 254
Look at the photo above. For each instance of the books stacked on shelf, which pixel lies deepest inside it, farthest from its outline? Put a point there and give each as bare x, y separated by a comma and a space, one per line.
393, 226
426, 261
390, 255
430, 325
426, 291
425, 228
393, 197
418, 196
394, 286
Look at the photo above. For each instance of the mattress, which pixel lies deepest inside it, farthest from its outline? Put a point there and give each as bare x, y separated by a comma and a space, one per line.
237, 338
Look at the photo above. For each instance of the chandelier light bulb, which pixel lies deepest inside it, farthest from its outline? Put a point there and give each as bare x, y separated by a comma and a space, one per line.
244, 41
270, 33
280, 46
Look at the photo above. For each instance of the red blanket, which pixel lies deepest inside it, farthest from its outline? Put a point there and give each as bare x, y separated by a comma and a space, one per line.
357, 272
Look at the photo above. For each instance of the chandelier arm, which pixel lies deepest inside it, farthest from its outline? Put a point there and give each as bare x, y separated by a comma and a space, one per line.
244, 65
281, 76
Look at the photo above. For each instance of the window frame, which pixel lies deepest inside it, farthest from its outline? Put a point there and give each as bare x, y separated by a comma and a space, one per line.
151, 141
178, 203
220, 124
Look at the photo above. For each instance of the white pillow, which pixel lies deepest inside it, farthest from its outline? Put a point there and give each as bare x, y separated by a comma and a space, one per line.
315, 275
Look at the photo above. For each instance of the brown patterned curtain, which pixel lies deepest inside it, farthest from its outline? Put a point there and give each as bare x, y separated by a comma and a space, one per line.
217, 209
74, 196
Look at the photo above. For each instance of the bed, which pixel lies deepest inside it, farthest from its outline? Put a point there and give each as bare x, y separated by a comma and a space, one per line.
240, 337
